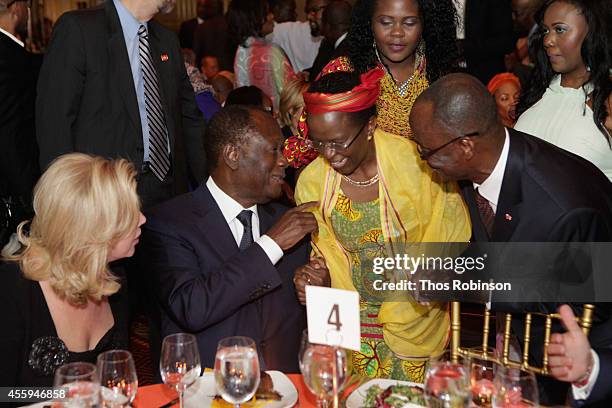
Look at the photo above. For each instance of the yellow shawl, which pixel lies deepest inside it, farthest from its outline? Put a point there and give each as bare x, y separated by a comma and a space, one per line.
415, 206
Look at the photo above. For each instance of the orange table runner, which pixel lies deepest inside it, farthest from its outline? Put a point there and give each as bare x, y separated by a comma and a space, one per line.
154, 396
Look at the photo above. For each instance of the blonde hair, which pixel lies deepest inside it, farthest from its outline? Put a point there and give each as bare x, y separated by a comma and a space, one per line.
291, 98
83, 206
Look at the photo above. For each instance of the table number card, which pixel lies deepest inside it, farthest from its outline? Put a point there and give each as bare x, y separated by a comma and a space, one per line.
333, 317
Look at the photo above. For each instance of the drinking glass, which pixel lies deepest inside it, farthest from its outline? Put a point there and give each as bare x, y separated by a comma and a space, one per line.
81, 381
447, 383
118, 378
482, 374
237, 369
179, 364
303, 346
325, 372
514, 388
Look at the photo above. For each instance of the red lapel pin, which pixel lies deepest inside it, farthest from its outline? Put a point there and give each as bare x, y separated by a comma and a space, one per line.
164, 57
508, 217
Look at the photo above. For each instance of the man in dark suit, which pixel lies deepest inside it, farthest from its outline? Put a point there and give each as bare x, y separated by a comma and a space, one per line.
212, 39
222, 258
113, 83
518, 188
335, 23
18, 149
205, 9
488, 37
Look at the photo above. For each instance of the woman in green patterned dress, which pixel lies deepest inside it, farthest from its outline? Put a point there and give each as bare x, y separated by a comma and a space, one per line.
372, 202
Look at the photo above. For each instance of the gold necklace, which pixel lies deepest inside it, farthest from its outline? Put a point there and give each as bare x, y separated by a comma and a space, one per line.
361, 184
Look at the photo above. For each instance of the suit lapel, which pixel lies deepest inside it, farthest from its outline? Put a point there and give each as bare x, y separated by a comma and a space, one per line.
119, 65
510, 198
479, 232
163, 66
211, 222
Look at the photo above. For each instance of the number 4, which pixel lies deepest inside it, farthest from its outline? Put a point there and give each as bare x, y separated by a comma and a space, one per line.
335, 320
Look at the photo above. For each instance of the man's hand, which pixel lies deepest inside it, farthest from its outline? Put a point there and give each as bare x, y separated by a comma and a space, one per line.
294, 225
314, 273
569, 354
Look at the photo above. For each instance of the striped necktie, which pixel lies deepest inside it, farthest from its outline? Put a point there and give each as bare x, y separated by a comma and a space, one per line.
159, 158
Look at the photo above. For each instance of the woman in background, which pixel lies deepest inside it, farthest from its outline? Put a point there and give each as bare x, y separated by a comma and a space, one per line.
257, 62
413, 41
506, 89
61, 302
565, 103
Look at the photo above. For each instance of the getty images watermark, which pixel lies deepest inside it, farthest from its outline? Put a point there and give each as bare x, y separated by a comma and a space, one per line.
428, 273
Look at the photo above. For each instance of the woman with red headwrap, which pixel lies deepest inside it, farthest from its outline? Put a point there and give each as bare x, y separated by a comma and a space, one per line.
375, 195
506, 89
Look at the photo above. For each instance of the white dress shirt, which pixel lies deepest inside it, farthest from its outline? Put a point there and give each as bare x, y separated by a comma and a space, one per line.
491, 187
340, 39
12, 37
295, 39
230, 209
582, 393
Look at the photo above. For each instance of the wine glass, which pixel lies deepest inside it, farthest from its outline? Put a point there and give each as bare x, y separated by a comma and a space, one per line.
325, 372
482, 374
447, 382
179, 364
304, 343
118, 378
514, 388
80, 380
237, 369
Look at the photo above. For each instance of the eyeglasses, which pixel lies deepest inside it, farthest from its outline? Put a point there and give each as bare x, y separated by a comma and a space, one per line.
334, 146
28, 5
425, 153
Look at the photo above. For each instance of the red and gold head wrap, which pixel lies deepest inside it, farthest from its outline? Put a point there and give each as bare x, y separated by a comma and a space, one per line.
499, 79
362, 97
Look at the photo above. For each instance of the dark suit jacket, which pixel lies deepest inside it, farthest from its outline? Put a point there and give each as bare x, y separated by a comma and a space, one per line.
87, 101
206, 286
186, 33
211, 38
18, 149
488, 37
327, 53
552, 196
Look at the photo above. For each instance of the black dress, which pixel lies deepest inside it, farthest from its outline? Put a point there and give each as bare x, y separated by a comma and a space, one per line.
30, 350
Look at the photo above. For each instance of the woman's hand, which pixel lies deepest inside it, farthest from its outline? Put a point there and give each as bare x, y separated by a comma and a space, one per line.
314, 273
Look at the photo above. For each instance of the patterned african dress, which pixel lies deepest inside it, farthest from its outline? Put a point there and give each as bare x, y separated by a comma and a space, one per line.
358, 229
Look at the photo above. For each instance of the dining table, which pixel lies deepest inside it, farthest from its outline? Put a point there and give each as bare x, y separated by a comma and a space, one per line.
159, 395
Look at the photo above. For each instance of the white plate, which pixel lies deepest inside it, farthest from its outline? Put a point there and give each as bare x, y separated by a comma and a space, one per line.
357, 397
202, 392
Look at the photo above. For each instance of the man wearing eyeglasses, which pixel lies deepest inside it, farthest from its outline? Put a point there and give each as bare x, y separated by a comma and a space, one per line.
18, 150
518, 188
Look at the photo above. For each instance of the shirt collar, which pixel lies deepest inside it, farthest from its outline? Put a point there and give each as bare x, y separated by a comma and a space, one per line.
12, 37
340, 39
491, 187
129, 23
229, 207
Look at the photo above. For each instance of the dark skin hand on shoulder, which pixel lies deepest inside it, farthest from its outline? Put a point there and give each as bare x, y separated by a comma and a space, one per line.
294, 225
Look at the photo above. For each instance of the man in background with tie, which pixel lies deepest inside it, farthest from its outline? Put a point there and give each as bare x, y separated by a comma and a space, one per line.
113, 83
222, 258
518, 188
